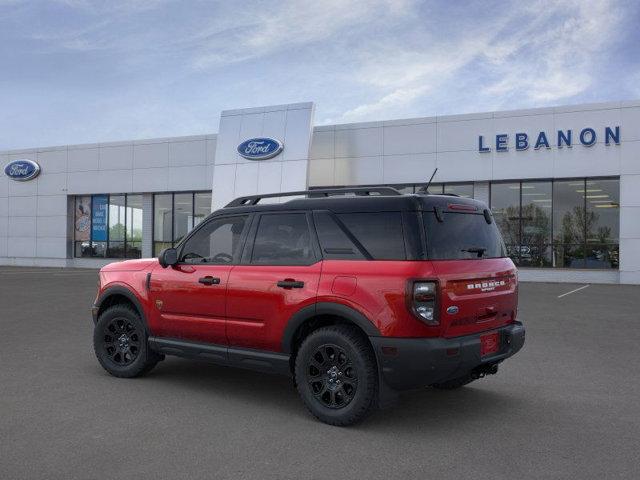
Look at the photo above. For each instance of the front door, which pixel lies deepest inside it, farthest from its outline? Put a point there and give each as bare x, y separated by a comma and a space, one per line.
279, 275
188, 299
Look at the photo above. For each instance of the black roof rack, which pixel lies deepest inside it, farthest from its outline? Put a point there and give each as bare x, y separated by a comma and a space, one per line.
321, 192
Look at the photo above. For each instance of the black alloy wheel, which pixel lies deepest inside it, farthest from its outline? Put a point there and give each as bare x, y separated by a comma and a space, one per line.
336, 374
121, 341
332, 376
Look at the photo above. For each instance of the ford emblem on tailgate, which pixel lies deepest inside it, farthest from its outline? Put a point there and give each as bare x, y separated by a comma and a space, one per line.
260, 148
452, 310
22, 170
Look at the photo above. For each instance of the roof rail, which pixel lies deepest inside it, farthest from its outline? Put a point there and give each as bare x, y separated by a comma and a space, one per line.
320, 192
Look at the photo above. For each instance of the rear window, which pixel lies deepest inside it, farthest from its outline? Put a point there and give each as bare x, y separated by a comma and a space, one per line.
379, 233
462, 236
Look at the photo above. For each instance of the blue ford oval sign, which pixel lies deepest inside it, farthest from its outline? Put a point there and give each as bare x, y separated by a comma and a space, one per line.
22, 170
260, 148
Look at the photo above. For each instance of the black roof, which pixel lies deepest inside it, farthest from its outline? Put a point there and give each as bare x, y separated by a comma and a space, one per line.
386, 201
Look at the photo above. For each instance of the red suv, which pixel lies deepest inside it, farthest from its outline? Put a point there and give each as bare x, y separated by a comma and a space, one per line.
355, 293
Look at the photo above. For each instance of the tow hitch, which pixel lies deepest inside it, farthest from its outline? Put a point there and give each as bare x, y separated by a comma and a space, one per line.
483, 370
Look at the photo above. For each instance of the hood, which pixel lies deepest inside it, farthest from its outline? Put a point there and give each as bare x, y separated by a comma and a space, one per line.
130, 265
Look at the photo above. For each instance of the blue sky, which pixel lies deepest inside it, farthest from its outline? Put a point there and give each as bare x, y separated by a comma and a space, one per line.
79, 71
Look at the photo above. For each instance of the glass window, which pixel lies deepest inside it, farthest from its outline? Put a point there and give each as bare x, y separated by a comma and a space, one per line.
162, 222
201, 208
434, 189
535, 243
603, 223
461, 189
283, 239
505, 205
380, 233
404, 188
334, 242
462, 236
117, 220
82, 226
134, 226
217, 242
182, 215
569, 223
108, 226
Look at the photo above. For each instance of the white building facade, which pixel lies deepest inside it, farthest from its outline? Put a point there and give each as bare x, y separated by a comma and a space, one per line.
563, 182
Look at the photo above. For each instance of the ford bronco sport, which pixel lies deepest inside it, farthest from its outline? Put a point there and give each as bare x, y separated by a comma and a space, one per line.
355, 293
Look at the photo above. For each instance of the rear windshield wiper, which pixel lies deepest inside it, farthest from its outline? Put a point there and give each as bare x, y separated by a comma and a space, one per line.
479, 250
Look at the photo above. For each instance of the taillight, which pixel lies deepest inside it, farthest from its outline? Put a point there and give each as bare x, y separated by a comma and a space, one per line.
423, 302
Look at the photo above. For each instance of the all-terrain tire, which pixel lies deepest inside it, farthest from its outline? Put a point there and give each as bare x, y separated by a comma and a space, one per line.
454, 383
336, 375
120, 342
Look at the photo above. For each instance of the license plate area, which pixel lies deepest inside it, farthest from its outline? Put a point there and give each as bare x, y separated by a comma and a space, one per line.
489, 343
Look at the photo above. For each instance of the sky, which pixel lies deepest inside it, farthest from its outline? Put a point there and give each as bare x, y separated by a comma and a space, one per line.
80, 71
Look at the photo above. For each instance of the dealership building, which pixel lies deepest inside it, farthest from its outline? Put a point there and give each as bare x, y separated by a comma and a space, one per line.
563, 182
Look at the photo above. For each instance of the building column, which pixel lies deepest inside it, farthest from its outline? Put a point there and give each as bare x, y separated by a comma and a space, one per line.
629, 229
147, 225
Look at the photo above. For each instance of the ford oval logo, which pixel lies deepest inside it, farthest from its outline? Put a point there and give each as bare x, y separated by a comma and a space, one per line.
260, 148
22, 170
452, 310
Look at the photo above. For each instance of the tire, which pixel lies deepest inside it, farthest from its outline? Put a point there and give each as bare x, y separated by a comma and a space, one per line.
336, 375
454, 383
120, 343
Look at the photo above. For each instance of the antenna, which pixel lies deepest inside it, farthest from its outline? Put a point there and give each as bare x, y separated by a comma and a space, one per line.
426, 188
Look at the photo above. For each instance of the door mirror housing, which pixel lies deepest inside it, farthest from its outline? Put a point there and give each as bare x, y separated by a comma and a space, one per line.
168, 257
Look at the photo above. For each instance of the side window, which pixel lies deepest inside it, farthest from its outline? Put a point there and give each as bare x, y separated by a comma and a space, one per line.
217, 242
283, 239
335, 244
380, 233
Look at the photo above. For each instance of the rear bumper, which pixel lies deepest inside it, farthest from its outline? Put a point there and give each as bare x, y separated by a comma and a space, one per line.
407, 363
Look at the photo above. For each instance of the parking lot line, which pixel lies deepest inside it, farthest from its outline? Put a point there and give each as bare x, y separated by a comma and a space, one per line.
573, 291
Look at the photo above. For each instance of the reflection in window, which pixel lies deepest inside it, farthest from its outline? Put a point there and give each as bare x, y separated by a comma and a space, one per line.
134, 226
461, 189
565, 224
175, 215
162, 222
182, 215
201, 207
535, 230
117, 216
505, 205
603, 223
569, 223
108, 226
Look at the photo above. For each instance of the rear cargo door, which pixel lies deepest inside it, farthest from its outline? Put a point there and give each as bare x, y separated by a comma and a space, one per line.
478, 283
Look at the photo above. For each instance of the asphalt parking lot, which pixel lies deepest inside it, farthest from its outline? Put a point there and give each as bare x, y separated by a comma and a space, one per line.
566, 407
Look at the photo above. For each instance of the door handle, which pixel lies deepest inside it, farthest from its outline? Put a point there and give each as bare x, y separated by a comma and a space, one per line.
289, 283
208, 280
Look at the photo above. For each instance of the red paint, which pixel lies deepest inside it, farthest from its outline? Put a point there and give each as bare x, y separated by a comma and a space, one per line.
247, 308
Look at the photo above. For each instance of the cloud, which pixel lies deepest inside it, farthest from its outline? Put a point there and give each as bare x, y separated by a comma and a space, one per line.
539, 53
262, 31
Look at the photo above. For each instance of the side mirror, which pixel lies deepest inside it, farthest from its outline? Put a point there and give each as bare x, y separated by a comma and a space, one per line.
168, 257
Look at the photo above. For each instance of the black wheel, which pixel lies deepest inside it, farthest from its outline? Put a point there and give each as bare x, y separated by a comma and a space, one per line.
120, 343
454, 383
336, 375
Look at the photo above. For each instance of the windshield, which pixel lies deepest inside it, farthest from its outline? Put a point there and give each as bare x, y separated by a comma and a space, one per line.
462, 236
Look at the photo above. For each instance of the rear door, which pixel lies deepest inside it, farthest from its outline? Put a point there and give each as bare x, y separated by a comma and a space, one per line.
188, 299
478, 282
278, 275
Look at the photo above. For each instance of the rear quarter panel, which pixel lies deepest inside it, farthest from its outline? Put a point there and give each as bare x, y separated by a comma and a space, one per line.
378, 290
